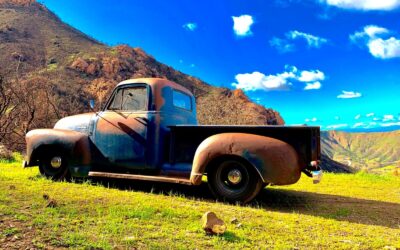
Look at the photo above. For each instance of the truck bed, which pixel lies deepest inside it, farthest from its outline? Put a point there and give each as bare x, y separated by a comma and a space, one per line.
184, 139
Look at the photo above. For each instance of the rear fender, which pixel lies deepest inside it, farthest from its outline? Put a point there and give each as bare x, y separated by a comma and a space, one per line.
276, 161
74, 144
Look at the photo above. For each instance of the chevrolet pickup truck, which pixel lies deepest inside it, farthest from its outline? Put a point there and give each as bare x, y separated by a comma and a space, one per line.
148, 131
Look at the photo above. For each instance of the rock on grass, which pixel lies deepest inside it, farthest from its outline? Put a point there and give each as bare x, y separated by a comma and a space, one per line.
212, 224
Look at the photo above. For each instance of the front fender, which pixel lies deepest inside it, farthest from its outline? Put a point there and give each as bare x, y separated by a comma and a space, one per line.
75, 144
276, 161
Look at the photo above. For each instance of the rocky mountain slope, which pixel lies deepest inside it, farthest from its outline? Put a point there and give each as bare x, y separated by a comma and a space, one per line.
374, 152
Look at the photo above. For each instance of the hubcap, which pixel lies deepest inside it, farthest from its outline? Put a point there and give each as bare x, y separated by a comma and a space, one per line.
234, 176
55, 162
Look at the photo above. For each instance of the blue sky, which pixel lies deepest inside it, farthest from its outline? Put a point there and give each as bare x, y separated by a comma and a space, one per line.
333, 63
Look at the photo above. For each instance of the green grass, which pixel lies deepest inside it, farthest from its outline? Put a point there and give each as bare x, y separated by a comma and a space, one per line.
354, 211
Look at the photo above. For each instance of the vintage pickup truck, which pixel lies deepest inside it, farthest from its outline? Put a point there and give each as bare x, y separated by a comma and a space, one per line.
148, 131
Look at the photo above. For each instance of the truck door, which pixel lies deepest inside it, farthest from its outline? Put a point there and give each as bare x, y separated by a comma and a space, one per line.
120, 132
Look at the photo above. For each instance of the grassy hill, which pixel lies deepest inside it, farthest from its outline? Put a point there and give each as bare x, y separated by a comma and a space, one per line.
345, 211
376, 152
39, 50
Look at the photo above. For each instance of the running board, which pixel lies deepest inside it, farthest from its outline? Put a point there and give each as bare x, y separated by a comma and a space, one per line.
142, 177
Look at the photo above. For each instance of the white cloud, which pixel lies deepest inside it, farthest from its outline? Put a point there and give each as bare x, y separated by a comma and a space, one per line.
364, 125
281, 81
388, 118
357, 117
336, 126
371, 124
384, 49
242, 25
358, 124
373, 30
311, 76
286, 45
190, 26
312, 41
281, 45
349, 94
314, 119
337, 117
313, 85
389, 124
376, 119
378, 43
365, 5
192, 65
369, 31
370, 114
257, 80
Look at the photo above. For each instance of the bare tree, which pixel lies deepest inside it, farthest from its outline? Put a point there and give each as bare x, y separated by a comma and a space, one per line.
25, 105
8, 108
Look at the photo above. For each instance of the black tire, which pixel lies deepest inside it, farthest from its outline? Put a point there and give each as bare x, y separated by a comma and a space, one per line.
54, 173
241, 191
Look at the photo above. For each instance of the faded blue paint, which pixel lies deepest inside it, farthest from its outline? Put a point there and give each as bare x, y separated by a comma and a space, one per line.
255, 160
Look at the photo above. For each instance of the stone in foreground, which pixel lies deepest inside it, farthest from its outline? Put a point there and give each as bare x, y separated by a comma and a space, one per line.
212, 224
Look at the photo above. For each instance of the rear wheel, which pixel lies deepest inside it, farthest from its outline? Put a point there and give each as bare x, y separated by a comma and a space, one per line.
53, 164
235, 181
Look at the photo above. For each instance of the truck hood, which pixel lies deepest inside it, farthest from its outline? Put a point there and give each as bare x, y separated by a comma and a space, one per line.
78, 123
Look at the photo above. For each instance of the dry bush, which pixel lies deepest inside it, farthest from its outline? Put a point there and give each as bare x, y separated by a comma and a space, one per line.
25, 105
226, 107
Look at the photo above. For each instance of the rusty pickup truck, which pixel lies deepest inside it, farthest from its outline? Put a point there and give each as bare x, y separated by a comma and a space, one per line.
148, 131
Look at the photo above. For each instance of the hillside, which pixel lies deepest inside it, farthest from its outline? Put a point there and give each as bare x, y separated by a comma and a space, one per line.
38, 49
344, 211
376, 152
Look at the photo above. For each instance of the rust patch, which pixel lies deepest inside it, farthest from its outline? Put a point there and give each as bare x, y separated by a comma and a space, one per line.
68, 139
142, 177
276, 161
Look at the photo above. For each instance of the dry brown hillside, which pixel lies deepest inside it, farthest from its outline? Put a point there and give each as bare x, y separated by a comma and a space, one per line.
40, 52
375, 152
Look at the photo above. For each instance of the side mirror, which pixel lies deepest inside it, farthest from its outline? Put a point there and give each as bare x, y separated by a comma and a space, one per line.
91, 104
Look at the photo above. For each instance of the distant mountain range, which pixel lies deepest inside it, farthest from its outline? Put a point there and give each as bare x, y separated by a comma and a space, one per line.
368, 130
374, 151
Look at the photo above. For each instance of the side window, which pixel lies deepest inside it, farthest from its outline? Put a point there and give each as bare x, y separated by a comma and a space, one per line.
130, 99
181, 100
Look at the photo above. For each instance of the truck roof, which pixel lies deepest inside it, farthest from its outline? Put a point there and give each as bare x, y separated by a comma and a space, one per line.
157, 83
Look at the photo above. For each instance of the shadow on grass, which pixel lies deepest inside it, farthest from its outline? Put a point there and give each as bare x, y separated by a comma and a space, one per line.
341, 208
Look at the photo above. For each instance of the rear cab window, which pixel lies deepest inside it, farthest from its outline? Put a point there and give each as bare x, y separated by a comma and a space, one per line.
181, 100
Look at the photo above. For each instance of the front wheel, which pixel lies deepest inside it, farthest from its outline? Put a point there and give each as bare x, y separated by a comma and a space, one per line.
235, 181
54, 165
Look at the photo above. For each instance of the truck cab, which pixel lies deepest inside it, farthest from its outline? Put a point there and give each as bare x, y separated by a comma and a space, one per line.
132, 130
148, 130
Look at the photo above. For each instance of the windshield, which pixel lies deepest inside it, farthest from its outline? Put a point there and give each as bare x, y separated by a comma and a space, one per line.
130, 99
